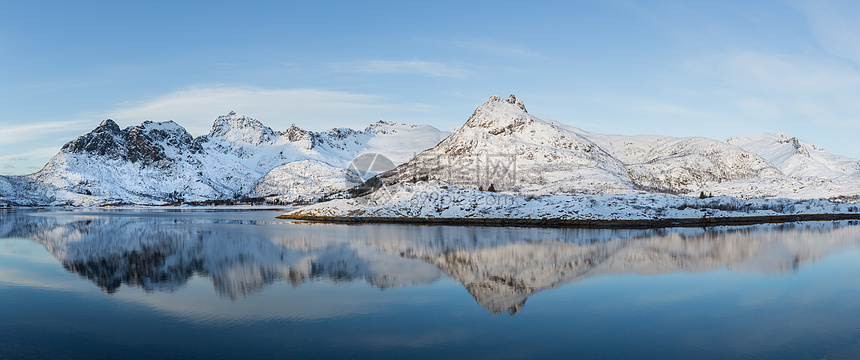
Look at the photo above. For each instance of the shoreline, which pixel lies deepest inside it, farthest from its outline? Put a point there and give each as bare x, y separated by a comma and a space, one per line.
586, 224
149, 207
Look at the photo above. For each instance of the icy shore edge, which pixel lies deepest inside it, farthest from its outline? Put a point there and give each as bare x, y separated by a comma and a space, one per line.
437, 203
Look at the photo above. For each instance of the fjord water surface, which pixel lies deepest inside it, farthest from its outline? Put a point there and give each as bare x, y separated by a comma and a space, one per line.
230, 284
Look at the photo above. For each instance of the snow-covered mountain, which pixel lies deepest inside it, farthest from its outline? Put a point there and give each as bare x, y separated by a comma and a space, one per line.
433, 200
500, 144
796, 158
154, 163
810, 171
682, 165
546, 170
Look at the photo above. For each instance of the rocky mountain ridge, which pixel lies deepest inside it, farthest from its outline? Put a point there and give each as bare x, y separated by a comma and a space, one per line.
500, 144
553, 158
160, 162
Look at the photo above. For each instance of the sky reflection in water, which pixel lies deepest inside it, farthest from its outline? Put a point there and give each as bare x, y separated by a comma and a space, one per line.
242, 284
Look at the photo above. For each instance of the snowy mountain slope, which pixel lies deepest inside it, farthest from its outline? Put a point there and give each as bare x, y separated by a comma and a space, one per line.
839, 189
401, 142
304, 180
682, 165
236, 128
542, 156
810, 171
437, 200
500, 144
501, 136
154, 163
796, 158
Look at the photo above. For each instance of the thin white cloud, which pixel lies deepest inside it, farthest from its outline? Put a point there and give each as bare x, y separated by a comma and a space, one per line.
197, 107
19, 133
34, 154
494, 47
778, 72
428, 68
8, 166
815, 96
816, 90
835, 26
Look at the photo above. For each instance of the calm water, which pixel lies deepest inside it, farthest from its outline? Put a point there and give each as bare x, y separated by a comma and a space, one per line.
197, 284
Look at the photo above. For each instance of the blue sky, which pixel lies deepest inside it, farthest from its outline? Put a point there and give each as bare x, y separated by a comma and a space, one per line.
683, 68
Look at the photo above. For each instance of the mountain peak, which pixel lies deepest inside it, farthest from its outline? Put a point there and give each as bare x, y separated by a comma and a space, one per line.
105, 139
107, 125
795, 144
295, 133
387, 127
497, 114
513, 100
239, 128
796, 158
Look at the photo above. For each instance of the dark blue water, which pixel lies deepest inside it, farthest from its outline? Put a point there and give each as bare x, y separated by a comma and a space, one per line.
206, 284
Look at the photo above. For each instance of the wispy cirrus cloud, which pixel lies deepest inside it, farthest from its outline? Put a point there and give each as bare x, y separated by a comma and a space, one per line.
768, 72
427, 68
835, 25
32, 160
764, 91
494, 47
11, 133
40, 153
806, 88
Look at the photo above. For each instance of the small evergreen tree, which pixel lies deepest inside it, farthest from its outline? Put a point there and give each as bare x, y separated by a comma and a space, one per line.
480, 187
702, 195
491, 188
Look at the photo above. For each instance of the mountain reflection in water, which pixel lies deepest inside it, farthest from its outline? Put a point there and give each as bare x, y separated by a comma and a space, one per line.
500, 267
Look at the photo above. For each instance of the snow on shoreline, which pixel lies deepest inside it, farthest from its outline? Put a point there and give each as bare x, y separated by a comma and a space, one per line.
435, 199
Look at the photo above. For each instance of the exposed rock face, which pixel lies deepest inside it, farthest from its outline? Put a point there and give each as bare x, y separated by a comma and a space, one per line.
103, 140
144, 144
154, 163
295, 133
